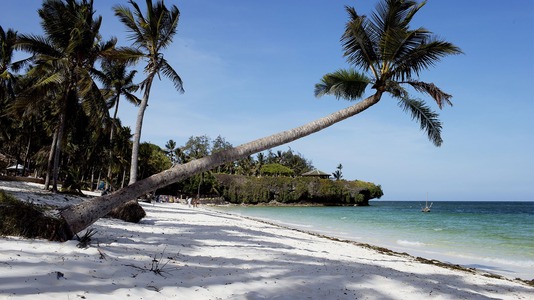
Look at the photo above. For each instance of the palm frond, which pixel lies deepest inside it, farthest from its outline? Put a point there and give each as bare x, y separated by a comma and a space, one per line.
127, 55
21, 64
394, 14
107, 46
132, 98
169, 24
100, 76
48, 79
358, 42
409, 15
84, 84
129, 77
346, 84
94, 104
396, 90
422, 57
170, 73
37, 45
397, 43
126, 16
433, 91
427, 118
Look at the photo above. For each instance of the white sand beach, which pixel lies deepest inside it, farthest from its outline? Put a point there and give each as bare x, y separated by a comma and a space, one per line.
178, 252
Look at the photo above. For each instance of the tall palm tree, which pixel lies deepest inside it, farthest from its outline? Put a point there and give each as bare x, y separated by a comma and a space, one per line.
337, 173
385, 46
151, 33
64, 59
171, 151
118, 81
260, 161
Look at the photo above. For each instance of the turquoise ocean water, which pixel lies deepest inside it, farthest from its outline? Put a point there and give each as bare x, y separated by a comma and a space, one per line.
494, 236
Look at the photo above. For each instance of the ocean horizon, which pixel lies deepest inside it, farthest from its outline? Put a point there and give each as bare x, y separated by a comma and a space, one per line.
497, 237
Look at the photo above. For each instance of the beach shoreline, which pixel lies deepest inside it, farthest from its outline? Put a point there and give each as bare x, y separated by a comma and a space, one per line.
202, 253
397, 228
390, 250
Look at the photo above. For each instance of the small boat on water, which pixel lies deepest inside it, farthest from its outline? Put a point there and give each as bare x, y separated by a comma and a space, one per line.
426, 208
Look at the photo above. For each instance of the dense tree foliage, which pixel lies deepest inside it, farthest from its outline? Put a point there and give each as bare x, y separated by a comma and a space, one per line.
279, 163
54, 114
300, 190
63, 122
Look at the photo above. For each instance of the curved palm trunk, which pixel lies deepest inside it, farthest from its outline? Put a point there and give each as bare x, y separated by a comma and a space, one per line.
80, 216
138, 128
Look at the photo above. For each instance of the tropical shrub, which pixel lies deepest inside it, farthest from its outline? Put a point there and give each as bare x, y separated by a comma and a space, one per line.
276, 169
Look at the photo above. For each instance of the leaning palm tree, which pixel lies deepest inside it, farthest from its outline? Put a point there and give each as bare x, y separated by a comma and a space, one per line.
151, 33
384, 46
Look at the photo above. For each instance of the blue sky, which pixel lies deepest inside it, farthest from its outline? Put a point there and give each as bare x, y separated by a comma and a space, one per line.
249, 68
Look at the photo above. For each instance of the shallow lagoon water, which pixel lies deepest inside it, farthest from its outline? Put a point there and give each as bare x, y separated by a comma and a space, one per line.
494, 236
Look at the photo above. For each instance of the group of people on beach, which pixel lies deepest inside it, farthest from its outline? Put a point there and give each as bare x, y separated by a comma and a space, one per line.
195, 202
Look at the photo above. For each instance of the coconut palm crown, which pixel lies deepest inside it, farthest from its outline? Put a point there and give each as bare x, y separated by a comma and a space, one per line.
391, 56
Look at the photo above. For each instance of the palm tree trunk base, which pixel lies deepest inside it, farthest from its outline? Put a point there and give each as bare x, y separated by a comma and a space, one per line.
131, 212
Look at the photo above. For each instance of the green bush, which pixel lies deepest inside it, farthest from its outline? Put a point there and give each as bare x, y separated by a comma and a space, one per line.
276, 170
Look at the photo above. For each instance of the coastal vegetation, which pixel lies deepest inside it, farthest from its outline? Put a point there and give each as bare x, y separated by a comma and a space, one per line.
56, 117
283, 190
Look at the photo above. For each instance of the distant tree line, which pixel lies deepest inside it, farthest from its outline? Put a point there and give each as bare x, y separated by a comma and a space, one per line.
273, 176
283, 190
270, 163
